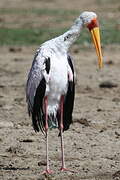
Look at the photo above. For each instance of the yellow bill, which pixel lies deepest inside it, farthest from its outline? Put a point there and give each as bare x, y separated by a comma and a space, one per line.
96, 39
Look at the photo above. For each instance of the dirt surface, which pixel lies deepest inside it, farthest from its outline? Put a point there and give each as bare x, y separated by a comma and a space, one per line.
92, 144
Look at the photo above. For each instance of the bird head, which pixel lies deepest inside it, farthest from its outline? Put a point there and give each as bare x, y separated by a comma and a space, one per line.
90, 21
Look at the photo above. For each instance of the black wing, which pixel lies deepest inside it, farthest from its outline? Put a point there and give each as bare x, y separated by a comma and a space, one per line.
35, 91
69, 99
38, 119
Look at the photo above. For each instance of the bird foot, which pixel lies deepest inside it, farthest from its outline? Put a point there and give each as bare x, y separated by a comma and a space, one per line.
62, 169
47, 171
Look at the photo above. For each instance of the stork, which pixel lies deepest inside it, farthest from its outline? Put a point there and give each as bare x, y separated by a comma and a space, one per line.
50, 87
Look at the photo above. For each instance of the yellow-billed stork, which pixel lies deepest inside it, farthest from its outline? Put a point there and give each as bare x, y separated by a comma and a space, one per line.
50, 86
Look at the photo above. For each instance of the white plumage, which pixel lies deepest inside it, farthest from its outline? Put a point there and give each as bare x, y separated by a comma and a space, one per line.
57, 50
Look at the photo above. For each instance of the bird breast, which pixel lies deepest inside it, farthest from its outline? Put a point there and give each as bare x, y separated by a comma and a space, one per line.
58, 82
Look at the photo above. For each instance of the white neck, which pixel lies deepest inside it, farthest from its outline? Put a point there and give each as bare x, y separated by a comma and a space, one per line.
68, 38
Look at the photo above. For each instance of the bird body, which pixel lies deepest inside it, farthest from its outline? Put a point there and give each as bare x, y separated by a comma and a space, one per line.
50, 88
56, 73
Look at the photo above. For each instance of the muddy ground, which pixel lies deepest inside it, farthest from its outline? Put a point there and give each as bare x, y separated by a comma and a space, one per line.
92, 144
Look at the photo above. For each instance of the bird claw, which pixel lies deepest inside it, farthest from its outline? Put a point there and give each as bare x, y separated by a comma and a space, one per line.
47, 171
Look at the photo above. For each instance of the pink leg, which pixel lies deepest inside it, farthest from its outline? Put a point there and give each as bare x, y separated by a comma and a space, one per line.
47, 171
63, 168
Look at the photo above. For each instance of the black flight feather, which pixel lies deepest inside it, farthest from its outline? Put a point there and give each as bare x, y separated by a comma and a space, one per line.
37, 113
69, 100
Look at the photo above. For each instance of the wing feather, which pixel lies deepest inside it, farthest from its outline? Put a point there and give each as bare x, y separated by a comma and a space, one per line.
35, 91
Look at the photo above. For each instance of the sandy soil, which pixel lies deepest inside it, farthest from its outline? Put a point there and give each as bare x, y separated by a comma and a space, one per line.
92, 144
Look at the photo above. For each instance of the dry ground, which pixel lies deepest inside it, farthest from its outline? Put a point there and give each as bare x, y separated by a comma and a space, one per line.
92, 144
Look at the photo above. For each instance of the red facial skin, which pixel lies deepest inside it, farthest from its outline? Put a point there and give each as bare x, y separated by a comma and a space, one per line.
93, 24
